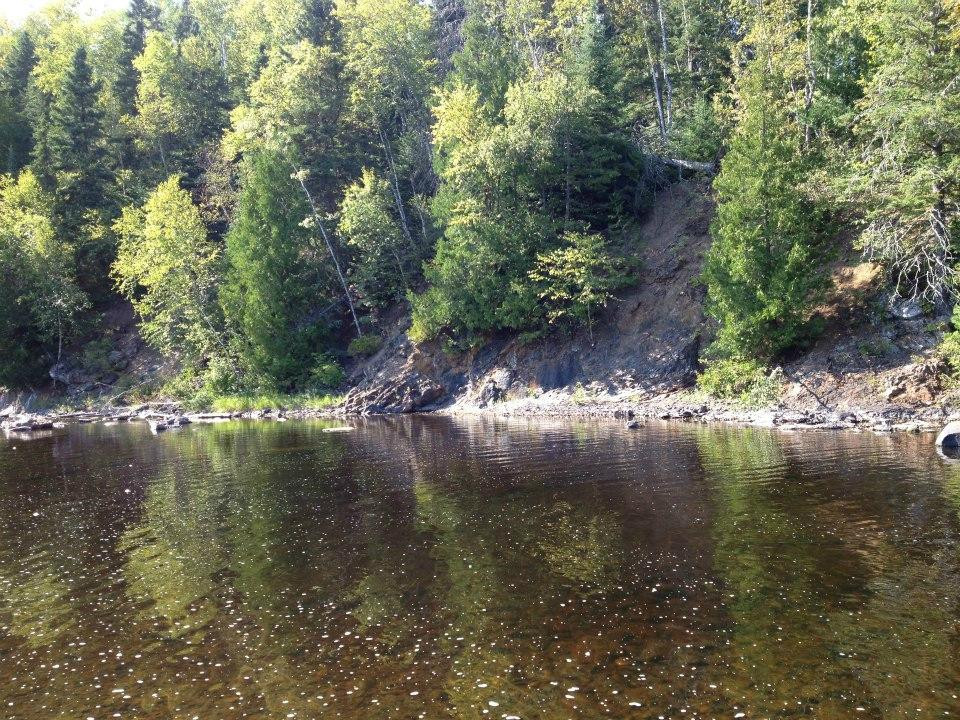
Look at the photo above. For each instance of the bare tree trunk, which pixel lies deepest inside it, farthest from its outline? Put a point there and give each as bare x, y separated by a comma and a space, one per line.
688, 46
534, 58
395, 183
566, 189
811, 78
663, 64
658, 99
326, 238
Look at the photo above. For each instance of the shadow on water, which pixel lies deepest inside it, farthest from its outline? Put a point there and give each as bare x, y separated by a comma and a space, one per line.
477, 568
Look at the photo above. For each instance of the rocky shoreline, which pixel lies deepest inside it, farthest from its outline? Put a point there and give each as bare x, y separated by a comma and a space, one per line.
161, 416
669, 407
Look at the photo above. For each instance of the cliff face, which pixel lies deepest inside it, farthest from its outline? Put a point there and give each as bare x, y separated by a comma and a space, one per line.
646, 346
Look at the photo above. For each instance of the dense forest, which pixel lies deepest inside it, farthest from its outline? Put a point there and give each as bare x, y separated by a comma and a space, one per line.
263, 180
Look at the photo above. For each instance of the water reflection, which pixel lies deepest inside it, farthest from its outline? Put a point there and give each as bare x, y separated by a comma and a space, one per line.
476, 568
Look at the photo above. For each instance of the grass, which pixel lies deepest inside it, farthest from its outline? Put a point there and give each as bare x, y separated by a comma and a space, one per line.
301, 401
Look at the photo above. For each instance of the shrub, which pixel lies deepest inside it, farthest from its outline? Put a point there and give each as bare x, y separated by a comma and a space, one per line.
326, 373
364, 345
744, 380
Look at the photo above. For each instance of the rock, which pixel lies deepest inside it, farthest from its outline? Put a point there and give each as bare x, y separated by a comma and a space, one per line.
907, 310
118, 360
157, 426
765, 419
61, 373
490, 393
949, 437
914, 426
633, 425
28, 423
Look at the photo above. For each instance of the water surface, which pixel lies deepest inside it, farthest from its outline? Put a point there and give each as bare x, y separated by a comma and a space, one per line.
477, 568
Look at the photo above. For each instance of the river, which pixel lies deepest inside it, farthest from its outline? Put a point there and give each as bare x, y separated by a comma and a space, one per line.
439, 567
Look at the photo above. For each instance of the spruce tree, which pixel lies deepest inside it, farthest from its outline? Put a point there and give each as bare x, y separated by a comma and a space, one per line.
76, 161
15, 130
75, 140
140, 17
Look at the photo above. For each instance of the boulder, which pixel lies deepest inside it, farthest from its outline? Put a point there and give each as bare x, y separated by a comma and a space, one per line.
949, 437
907, 310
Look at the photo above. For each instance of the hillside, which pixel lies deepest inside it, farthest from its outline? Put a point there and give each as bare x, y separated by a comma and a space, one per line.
646, 350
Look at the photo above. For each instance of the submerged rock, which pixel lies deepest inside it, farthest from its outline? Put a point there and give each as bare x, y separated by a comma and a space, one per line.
949, 437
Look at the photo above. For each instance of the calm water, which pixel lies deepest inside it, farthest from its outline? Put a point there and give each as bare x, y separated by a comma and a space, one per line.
477, 568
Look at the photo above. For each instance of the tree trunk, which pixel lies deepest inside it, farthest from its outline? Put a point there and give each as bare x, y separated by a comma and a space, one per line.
326, 239
395, 183
811, 78
663, 64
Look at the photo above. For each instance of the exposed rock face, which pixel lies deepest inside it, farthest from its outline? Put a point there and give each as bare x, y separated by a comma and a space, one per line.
407, 380
915, 384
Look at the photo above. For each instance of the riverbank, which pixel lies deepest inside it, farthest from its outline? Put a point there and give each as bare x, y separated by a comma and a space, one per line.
625, 407
876, 365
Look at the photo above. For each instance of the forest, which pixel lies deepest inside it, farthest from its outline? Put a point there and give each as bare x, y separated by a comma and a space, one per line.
263, 179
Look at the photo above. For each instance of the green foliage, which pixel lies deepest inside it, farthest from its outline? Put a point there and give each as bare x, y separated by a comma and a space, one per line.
764, 270
364, 345
484, 158
40, 303
15, 132
383, 259
302, 401
513, 184
950, 345
577, 279
168, 268
744, 380
326, 373
181, 100
273, 276
95, 357
905, 176
140, 17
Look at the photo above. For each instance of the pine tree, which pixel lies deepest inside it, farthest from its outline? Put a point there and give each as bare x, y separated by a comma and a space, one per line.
75, 140
15, 131
141, 16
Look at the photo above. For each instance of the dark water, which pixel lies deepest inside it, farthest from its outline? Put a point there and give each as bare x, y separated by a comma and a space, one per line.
472, 568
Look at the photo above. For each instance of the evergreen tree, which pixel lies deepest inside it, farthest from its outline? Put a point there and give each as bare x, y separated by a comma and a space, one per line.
906, 173
274, 278
15, 131
141, 16
762, 271
75, 143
